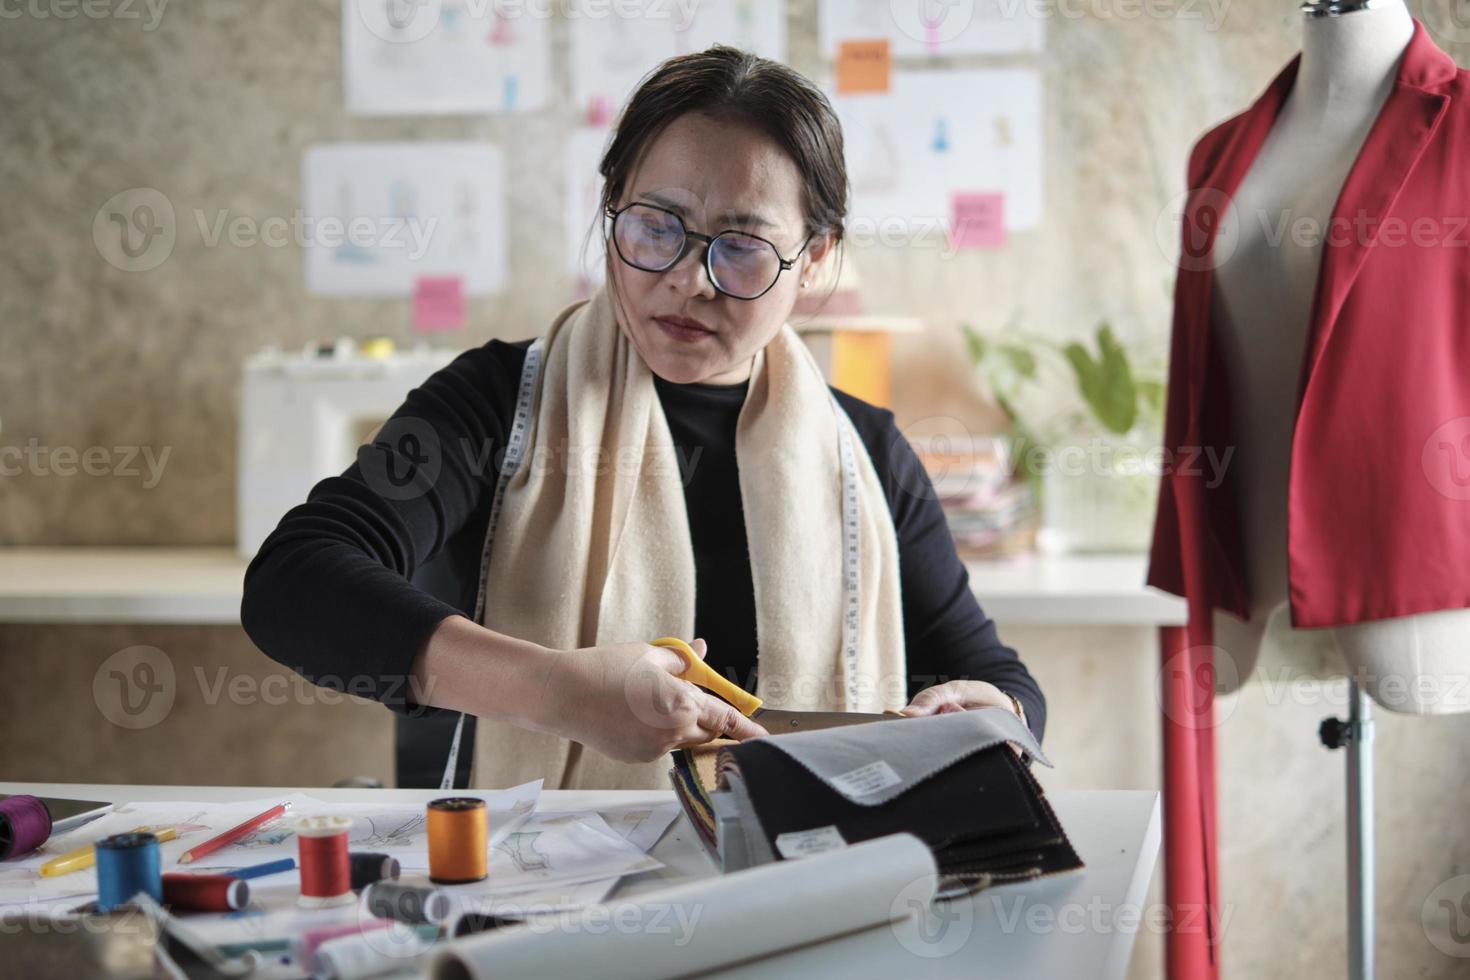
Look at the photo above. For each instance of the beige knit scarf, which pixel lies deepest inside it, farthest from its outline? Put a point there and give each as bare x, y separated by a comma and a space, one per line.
589, 539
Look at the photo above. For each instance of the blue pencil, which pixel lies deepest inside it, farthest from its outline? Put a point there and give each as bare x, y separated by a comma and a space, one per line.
261, 870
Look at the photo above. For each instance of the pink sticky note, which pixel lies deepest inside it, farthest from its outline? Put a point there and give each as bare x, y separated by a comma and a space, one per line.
977, 220
598, 113
438, 303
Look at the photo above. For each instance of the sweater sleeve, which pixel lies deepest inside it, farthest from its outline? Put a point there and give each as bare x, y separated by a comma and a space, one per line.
947, 635
329, 593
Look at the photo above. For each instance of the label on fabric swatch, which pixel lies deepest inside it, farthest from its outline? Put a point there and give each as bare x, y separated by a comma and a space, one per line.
866, 780
805, 843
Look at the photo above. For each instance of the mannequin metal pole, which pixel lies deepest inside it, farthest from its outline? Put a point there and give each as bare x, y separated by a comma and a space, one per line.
1356, 734
1360, 835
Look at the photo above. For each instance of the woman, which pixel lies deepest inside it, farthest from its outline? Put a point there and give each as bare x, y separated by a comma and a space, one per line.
664, 460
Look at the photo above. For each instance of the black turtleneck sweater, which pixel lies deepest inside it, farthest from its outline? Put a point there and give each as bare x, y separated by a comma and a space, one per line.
349, 586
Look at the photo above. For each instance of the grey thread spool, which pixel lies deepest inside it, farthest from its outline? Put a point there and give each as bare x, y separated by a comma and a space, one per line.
413, 904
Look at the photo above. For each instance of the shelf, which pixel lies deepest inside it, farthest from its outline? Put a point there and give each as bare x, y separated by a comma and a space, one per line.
202, 586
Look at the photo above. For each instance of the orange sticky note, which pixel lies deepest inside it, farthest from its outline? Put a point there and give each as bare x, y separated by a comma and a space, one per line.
863, 66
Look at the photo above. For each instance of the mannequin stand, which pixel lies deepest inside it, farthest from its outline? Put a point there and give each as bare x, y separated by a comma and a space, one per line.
1356, 733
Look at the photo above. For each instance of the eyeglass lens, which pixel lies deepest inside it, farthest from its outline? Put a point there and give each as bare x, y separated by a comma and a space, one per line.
652, 240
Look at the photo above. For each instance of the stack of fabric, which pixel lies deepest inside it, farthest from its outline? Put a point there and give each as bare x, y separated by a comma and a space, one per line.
694, 779
991, 512
957, 781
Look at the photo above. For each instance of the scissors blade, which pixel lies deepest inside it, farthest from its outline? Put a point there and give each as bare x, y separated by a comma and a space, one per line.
776, 721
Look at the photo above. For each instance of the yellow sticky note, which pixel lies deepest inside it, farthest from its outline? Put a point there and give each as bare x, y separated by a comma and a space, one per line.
863, 66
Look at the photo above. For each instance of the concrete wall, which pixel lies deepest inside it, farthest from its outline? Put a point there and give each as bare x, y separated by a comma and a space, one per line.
214, 109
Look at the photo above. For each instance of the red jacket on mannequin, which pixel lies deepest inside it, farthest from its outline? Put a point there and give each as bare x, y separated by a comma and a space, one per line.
1379, 490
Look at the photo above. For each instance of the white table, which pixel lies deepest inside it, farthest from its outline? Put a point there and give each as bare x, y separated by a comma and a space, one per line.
82, 585
1076, 925
203, 586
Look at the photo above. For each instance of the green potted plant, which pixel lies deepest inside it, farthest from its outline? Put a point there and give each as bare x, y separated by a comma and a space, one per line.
1085, 429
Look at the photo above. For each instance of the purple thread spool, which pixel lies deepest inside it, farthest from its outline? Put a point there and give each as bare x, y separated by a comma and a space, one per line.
25, 823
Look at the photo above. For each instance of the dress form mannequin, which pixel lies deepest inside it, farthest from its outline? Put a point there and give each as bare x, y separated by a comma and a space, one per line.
1268, 256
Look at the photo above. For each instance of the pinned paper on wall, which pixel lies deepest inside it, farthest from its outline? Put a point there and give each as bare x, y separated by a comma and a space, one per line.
584, 247
863, 66
381, 216
757, 26
446, 57
438, 303
938, 133
611, 52
934, 27
977, 220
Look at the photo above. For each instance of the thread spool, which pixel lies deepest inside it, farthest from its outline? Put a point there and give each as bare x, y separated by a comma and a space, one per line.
205, 893
459, 840
25, 823
370, 954
414, 904
304, 947
368, 868
126, 865
326, 871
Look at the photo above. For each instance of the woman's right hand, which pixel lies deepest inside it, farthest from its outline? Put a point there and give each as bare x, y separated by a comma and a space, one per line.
627, 701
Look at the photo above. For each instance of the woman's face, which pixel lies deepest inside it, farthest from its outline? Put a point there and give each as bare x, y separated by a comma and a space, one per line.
717, 176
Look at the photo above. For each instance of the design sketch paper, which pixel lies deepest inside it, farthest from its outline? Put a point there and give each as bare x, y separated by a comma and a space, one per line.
938, 133
757, 26
640, 824
380, 216
561, 849
583, 190
450, 56
611, 53
918, 28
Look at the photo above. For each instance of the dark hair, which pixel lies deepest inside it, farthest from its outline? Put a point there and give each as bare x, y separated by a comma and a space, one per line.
729, 84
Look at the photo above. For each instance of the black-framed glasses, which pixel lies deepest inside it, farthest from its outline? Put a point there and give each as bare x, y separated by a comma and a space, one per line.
740, 265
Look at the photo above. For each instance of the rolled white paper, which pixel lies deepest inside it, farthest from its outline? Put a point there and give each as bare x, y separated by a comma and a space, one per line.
367, 954
711, 923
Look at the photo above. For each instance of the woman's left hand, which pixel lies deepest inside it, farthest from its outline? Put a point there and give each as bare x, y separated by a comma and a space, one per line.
961, 696
957, 696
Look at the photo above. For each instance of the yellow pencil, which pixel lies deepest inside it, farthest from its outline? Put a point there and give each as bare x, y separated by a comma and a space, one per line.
85, 857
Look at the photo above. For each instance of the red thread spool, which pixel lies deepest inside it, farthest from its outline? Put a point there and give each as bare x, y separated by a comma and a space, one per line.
326, 870
205, 893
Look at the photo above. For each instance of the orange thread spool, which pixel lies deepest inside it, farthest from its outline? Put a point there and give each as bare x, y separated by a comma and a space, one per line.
459, 840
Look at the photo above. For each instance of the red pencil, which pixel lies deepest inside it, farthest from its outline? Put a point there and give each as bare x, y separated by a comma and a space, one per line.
233, 834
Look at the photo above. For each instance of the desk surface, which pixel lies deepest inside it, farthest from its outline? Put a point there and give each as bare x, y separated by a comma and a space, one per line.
203, 585
1076, 925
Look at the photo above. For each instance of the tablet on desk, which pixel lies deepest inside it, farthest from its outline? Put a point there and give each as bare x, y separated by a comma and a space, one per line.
69, 814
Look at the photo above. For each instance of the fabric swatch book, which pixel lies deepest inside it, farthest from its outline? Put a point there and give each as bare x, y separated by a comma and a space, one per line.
953, 780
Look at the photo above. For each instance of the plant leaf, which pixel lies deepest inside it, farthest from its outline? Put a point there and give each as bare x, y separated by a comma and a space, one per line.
974, 343
1106, 384
1117, 406
1086, 370
1022, 360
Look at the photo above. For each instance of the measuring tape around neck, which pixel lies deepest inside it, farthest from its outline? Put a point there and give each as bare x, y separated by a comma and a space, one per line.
515, 451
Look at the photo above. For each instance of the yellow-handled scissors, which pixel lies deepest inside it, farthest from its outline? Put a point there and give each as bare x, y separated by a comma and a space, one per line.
775, 720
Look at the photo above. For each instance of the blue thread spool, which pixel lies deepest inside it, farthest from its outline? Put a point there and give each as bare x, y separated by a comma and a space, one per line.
126, 865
